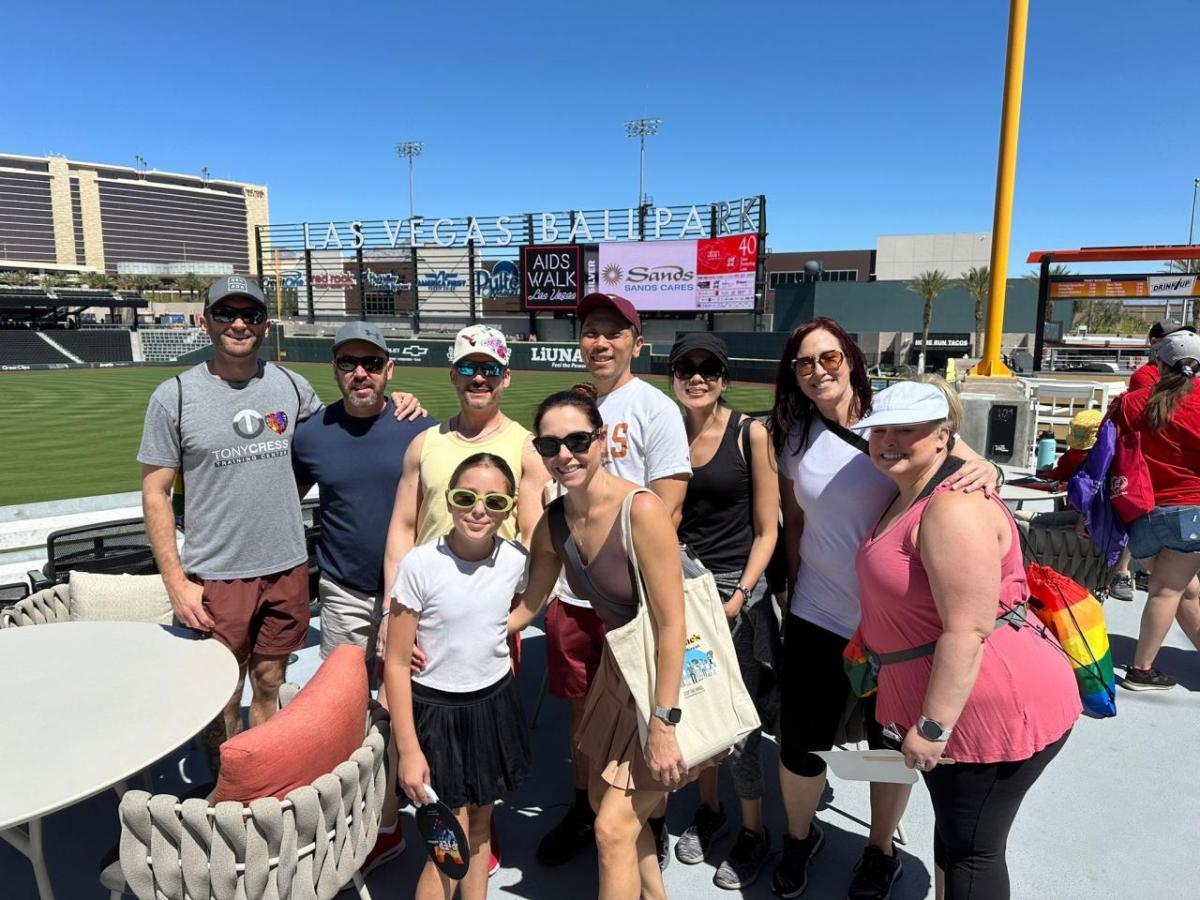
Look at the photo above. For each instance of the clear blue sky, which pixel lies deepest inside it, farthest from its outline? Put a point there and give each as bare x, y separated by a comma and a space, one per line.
855, 119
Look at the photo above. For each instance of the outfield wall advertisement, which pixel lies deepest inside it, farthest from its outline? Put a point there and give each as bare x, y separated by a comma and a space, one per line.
524, 356
714, 274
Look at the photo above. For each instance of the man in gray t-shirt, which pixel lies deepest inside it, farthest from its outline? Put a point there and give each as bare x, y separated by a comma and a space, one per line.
227, 426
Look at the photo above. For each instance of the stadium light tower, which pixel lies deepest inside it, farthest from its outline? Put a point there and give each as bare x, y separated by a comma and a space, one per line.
641, 129
410, 150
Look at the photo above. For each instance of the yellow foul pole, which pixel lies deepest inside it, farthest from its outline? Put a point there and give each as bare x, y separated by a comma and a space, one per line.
1006, 171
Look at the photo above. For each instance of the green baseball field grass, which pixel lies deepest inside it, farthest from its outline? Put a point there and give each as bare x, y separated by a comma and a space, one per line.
75, 433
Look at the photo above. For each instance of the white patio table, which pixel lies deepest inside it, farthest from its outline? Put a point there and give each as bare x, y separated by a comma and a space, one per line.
87, 705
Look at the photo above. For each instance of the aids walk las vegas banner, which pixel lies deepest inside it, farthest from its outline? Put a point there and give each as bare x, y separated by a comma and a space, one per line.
709, 274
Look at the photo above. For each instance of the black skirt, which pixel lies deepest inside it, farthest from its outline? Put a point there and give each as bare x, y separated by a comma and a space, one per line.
476, 743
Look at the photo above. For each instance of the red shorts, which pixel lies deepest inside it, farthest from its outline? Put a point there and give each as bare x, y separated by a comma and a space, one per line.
266, 616
574, 647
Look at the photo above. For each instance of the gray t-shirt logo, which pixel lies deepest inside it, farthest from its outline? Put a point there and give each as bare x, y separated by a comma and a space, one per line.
248, 423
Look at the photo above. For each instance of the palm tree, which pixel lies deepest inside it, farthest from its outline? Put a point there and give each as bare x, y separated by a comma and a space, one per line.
1035, 275
191, 283
928, 284
978, 281
1183, 266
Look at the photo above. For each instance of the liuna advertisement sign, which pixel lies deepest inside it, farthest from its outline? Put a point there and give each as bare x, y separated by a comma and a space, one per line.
524, 356
682, 276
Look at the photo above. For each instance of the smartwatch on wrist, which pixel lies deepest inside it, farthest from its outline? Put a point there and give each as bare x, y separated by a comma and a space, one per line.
932, 730
670, 715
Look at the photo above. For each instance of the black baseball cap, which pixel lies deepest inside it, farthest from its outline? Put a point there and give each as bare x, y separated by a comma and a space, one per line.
1163, 327
700, 340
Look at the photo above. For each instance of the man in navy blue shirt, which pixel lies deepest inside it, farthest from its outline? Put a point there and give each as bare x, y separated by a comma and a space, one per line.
354, 451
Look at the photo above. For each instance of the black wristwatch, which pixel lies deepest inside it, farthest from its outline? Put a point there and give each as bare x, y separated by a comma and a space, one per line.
670, 715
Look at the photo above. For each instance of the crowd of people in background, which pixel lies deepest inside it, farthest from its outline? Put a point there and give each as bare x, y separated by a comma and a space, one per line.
848, 514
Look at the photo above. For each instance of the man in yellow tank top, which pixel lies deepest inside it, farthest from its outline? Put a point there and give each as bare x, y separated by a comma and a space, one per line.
480, 374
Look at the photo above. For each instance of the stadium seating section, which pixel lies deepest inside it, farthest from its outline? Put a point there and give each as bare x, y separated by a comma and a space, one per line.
166, 344
22, 347
95, 346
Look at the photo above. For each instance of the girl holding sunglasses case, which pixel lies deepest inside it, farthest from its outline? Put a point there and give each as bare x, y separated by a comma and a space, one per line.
458, 722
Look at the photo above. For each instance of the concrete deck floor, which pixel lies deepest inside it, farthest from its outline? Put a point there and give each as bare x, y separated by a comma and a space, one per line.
1117, 815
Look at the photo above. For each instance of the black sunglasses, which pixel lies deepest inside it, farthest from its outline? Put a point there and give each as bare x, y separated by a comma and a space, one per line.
576, 442
371, 364
227, 315
709, 370
486, 369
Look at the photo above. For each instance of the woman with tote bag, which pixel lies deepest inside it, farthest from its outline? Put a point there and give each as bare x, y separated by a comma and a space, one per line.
633, 763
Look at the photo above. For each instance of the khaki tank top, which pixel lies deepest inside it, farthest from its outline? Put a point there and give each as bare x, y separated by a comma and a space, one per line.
441, 453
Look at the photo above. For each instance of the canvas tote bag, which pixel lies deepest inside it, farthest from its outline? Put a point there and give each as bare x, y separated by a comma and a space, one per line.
717, 709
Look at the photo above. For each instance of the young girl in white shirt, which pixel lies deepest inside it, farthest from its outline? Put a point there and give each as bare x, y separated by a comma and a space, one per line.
458, 723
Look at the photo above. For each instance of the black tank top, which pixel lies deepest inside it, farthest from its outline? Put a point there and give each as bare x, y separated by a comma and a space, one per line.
717, 509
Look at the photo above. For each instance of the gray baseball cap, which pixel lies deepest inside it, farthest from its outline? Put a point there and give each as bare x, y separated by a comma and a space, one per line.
360, 331
234, 286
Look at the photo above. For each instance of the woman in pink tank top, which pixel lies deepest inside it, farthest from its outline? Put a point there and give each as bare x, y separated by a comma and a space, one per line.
939, 578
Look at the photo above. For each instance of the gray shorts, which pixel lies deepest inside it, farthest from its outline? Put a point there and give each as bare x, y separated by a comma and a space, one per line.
348, 616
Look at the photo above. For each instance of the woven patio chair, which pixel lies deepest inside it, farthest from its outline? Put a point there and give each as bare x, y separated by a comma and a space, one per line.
307, 846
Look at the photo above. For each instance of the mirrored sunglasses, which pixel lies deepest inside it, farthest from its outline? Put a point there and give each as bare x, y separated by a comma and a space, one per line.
465, 498
486, 369
576, 442
371, 364
227, 315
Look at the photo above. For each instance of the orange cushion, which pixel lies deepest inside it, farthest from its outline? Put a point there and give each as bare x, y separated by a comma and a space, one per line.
309, 737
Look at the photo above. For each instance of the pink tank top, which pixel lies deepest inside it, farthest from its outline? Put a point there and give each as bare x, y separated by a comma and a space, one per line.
1025, 697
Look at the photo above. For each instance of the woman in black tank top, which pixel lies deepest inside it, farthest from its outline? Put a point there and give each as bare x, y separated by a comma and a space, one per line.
730, 521
582, 531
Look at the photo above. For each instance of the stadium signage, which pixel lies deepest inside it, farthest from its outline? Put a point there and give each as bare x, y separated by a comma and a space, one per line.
441, 281
500, 281
557, 357
621, 224
551, 277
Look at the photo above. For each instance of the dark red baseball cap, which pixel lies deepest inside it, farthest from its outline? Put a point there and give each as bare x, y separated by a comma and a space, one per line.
619, 305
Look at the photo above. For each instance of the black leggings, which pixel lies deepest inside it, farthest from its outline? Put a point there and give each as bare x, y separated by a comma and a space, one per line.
974, 805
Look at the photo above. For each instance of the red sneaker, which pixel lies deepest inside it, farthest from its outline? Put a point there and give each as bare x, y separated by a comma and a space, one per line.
494, 862
387, 847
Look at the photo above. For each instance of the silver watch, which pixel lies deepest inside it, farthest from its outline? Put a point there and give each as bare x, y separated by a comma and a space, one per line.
932, 730
671, 715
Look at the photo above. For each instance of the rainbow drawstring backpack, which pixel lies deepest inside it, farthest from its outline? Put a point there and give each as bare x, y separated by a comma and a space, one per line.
1076, 619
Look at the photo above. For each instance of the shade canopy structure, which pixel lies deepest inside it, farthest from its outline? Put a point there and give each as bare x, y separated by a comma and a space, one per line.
1136, 253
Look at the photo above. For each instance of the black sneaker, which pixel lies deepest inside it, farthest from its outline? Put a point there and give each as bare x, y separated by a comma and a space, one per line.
1142, 581
662, 843
707, 826
875, 874
791, 875
745, 861
1121, 586
1147, 680
564, 841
